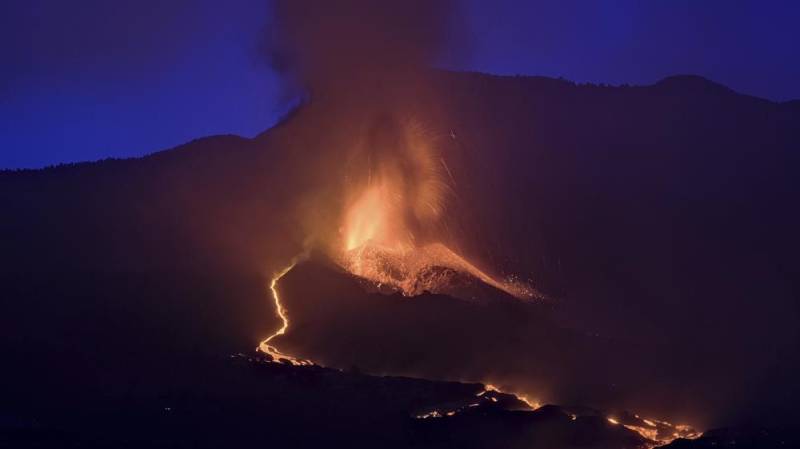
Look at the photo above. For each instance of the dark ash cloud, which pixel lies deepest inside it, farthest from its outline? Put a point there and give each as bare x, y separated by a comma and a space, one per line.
320, 43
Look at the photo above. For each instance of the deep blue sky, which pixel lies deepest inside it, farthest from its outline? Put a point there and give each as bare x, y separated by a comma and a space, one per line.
89, 79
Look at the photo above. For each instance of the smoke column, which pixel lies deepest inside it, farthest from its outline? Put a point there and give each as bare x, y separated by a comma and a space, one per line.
350, 44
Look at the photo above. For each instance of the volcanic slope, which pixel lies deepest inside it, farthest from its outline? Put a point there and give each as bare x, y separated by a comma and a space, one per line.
658, 214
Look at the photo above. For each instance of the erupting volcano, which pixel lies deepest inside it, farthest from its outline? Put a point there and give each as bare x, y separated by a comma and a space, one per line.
391, 217
395, 198
394, 213
422, 257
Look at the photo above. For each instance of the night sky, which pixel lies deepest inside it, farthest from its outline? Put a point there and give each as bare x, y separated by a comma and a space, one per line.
91, 79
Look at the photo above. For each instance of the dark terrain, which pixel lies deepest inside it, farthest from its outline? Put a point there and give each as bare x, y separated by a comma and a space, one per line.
661, 220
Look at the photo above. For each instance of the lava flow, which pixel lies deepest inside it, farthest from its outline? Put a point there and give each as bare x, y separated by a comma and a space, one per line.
655, 432
385, 238
265, 345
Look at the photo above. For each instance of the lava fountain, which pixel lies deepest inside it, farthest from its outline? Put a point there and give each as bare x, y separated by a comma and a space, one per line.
392, 216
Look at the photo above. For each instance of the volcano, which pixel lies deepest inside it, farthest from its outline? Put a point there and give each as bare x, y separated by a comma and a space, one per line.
432, 268
653, 225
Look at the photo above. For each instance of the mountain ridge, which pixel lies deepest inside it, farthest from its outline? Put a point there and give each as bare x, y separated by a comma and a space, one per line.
682, 83
634, 207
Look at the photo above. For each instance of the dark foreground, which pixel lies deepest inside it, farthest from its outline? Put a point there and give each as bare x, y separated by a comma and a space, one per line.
251, 401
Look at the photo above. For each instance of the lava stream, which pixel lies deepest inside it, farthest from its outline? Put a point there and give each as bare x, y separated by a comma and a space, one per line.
265, 347
656, 432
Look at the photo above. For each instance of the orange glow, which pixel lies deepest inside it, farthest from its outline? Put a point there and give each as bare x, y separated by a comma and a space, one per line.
411, 269
369, 219
364, 219
650, 433
532, 404
265, 346
401, 265
658, 432
390, 224
389, 233
399, 203
483, 397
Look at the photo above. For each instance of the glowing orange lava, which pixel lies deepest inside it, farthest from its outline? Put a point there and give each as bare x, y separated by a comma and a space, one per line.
392, 219
533, 405
378, 240
658, 432
265, 346
370, 219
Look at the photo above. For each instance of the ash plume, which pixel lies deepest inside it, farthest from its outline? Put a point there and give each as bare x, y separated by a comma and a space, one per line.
363, 63
323, 45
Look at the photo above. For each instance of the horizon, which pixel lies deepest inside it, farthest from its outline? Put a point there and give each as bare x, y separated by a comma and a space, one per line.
77, 97
287, 115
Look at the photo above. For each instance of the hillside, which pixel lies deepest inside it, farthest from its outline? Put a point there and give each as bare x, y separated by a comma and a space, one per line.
634, 208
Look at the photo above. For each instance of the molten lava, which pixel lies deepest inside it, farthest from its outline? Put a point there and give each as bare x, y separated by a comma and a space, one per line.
533, 405
659, 433
371, 218
398, 206
414, 270
655, 432
265, 346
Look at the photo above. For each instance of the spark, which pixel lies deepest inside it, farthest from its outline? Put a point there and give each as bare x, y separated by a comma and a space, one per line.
447, 169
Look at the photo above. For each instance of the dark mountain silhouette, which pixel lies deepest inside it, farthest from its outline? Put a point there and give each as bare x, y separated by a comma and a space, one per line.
658, 215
